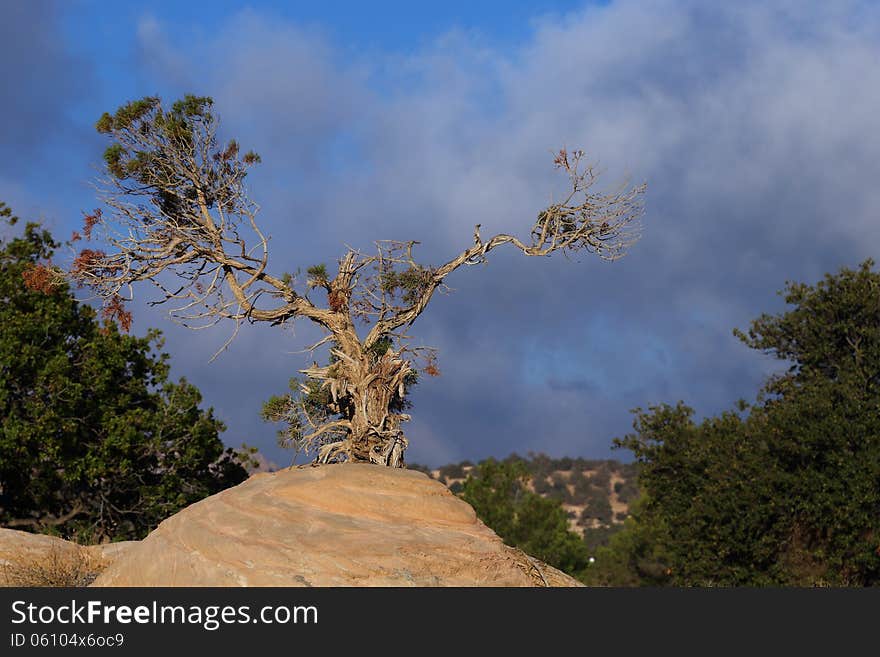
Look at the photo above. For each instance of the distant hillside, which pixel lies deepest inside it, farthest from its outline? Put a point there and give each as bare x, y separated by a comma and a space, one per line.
596, 494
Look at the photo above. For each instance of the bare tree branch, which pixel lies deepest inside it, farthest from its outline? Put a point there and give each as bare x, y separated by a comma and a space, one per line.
47, 521
602, 224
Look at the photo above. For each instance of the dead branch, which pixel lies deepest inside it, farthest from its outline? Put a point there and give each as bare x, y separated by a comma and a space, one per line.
601, 224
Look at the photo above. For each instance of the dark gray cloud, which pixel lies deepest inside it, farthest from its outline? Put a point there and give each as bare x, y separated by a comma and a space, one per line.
757, 129
44, 82
35, 68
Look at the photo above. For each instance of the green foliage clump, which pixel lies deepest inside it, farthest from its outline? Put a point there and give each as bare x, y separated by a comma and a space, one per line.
126, 115
627, 490
409, 283
6, 214
318, 276
191, 106
154, 153
631, 556
539, 465
380, 347
95, 442
523, 519
597, 507
293, 408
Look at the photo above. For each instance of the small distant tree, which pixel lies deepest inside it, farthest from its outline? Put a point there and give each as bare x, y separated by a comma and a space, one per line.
539, 526
597, 507
176, 214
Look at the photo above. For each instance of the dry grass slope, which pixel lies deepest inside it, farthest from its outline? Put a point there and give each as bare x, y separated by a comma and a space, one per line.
74, 566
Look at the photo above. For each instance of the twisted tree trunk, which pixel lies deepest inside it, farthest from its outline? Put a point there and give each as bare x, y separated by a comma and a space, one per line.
364, 389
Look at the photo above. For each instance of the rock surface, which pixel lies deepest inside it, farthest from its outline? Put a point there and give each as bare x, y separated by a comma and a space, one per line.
17, 546
335, 525
28, 559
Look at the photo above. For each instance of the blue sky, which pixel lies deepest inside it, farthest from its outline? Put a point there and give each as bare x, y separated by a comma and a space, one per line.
754, 124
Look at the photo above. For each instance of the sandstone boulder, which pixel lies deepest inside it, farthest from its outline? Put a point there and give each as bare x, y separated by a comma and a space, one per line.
17, 546
335, 525
28, 559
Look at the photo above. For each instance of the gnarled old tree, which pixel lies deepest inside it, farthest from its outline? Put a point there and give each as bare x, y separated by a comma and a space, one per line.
177, 214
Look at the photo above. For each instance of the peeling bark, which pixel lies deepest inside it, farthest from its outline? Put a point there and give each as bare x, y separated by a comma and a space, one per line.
363, 390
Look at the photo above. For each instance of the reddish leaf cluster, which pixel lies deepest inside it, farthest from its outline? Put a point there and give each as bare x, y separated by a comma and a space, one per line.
561, 159
86, 260
336, 301
431, 368
75, 237
230, 152
39, 278
114, 310
89, 221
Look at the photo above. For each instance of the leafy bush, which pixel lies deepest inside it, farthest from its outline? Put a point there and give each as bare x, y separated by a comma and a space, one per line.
784, 492
95, 442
